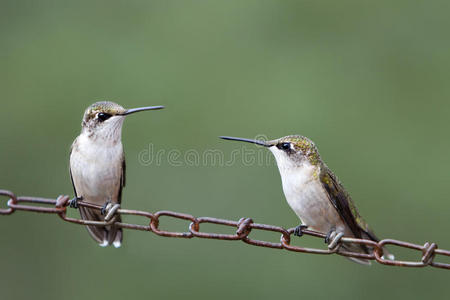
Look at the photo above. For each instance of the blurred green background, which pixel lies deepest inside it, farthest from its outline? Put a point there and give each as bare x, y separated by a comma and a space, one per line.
367, 81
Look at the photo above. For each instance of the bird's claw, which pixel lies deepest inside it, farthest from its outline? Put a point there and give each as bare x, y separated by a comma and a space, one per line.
109, 209
333, 238
73, 203
105, 207
299, 230
328, 236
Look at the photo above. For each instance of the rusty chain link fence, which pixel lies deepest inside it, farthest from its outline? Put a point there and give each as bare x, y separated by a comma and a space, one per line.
244, 227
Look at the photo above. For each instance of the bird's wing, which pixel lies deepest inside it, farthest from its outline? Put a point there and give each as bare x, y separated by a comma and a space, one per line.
73, 184
122, 179
70, 171
343, 203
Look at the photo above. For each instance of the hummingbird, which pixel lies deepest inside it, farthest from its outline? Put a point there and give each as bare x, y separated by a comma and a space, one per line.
315, 194
97, 166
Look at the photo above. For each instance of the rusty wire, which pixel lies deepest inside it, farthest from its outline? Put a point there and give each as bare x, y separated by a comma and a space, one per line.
243, 229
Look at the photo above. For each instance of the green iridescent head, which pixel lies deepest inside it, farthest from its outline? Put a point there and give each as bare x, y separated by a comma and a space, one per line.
102, 113
290, 150
296, 147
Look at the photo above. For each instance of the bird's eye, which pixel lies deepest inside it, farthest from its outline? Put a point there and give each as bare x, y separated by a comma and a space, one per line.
284, 146
103, 116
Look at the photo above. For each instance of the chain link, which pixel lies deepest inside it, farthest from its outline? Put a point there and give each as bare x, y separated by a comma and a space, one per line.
244, 227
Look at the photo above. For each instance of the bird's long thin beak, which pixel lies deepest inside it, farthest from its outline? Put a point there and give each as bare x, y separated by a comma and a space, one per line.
135, 110
261, 143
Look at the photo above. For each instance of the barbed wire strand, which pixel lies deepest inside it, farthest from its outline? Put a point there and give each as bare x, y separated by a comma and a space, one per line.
243, 229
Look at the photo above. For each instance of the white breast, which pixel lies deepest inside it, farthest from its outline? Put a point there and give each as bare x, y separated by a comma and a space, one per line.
309, 200
96, 169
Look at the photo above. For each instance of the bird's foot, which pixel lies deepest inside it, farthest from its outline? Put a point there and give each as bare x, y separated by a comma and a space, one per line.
74, 202
329, 235
109, 210
299, 230
105, 207
333, 239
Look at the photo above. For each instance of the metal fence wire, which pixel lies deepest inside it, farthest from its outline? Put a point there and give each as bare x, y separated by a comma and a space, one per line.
244, 227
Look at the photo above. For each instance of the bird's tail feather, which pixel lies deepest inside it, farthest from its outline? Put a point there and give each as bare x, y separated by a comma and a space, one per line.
358, 249
386, 255
103, 235
371, 236
364, 249
361, 261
